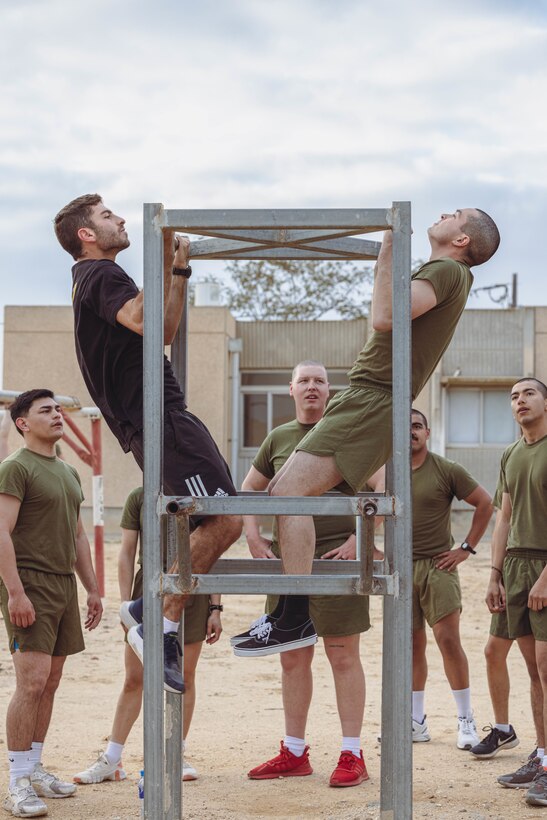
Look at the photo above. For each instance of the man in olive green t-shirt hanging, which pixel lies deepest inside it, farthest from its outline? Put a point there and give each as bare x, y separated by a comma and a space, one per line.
42, 544
354, 437
436, 481
518, 580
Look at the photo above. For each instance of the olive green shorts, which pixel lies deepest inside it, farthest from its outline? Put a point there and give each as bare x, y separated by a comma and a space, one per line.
338, 615
499, 627
520, 573
57, 629
436, 593
196, 612
356, 431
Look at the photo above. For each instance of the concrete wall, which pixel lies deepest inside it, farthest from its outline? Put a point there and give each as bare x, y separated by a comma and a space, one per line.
39, 352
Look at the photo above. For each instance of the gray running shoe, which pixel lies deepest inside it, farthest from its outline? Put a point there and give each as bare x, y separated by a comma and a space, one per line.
22, 800
537, 793
46, 784
494, 742
523, 777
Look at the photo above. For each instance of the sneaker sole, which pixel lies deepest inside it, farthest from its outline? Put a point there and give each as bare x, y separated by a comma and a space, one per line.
125, 616
516, 785
115, 777
510, 744
136, 645
279, 776
536, 801
466, 748
355, 782
275, 649
8, 806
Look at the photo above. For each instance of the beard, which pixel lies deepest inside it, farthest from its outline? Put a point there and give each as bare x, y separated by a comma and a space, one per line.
108, 241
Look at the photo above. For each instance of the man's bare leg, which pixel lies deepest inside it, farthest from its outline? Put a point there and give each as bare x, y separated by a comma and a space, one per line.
207, 543
349, 681
541, 660
45, 707
32, 671
297, 689
527, 646
496, 651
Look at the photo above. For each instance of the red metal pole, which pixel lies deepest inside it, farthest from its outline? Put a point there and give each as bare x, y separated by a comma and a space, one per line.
98, 501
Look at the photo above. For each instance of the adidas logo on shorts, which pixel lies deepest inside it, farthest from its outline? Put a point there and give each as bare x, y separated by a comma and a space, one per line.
220, 491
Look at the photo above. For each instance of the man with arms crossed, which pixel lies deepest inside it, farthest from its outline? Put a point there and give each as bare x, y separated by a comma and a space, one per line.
518, 579
338, 619
354, 437
436, 481
108, 314
42, 544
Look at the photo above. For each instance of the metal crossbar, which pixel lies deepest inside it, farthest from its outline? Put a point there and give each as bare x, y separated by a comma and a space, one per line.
278, 234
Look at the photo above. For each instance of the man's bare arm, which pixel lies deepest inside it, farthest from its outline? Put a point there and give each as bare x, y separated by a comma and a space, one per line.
131, 314
422, 293
20, 608
259, 547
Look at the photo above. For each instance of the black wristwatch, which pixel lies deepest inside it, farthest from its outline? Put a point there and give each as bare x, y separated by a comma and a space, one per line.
213, 607
186, 272
466, 547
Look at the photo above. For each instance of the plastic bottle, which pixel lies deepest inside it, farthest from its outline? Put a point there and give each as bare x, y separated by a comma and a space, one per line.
141, 792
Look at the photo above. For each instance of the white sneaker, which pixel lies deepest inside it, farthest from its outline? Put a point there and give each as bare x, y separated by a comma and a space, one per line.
101, 770
467, 733
420, 732
22, 800
46, 784
188, 771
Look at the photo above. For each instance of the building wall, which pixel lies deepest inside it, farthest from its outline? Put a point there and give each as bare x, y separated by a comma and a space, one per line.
39, 352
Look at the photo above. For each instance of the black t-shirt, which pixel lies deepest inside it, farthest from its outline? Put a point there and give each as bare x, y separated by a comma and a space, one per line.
111, 356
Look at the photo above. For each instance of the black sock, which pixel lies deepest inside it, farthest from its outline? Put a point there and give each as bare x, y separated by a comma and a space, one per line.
296, 611
279, 607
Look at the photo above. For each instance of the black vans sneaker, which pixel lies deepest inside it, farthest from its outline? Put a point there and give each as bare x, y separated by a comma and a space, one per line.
270, 639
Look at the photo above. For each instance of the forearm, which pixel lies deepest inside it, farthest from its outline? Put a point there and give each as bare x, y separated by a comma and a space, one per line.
84, 566
499, 547
251, 527
8, 565
126, 565
173, 306
479, 523
382, 315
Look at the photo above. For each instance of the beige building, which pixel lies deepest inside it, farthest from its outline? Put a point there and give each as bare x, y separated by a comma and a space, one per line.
239, 374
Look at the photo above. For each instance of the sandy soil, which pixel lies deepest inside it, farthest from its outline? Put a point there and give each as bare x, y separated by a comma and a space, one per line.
239, 721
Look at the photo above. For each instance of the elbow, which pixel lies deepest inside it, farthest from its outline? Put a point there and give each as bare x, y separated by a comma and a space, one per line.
382, 324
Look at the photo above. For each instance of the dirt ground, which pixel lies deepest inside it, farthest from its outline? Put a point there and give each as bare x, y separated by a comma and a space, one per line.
238, 723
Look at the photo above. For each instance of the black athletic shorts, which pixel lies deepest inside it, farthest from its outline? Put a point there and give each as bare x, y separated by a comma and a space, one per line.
192, 462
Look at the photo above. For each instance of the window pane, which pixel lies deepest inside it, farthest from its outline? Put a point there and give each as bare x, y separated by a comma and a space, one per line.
497, 420
255, 419
463, 417
283, 409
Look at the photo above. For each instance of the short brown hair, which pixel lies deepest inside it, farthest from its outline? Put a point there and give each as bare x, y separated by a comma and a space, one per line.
75, 215
484, 237
539, 384
415, 412
24, 401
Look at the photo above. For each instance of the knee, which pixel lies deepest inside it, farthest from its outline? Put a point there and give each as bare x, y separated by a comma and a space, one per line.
298, 661
132, 683
343, 662
493, 655
449, 644
34, 686
233, 527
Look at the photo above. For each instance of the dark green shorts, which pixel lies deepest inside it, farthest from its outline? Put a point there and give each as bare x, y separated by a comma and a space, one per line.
338, 615
196, 612
436, 593
356, 432
57, 629
520, 573
499, 627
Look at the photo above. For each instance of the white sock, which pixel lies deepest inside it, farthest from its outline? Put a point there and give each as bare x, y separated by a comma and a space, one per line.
19, 765
114, 752
463, 702
352, 744
544, 764
540, 753
170, 626
35, 755
296, 745
503, 727
418, 699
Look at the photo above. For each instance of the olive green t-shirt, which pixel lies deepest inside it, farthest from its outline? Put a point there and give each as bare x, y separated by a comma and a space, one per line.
274, 452
132, 515
434, 486
523, 475
431, 332
50, 493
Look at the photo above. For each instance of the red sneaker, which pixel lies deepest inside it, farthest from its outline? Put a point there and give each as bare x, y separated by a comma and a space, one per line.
285, 764
350, 771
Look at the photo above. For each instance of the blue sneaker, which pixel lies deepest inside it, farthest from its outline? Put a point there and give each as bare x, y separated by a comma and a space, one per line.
172, 654
131, 613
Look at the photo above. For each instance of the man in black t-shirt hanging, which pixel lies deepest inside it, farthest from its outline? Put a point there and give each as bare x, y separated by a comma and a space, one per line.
108, 326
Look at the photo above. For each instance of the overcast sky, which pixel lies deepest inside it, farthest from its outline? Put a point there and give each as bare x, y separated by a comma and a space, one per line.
285, 103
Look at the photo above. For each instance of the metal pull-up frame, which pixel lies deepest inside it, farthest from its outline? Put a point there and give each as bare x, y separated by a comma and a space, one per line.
278, 234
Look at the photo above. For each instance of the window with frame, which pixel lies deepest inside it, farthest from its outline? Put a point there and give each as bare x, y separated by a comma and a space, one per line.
478, 417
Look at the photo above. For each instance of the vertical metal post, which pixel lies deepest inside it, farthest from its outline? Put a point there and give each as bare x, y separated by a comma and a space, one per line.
152, 560
396, 792
175, 703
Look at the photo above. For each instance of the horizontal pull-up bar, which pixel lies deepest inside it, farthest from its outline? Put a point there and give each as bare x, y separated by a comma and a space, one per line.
361, 220
263, 504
